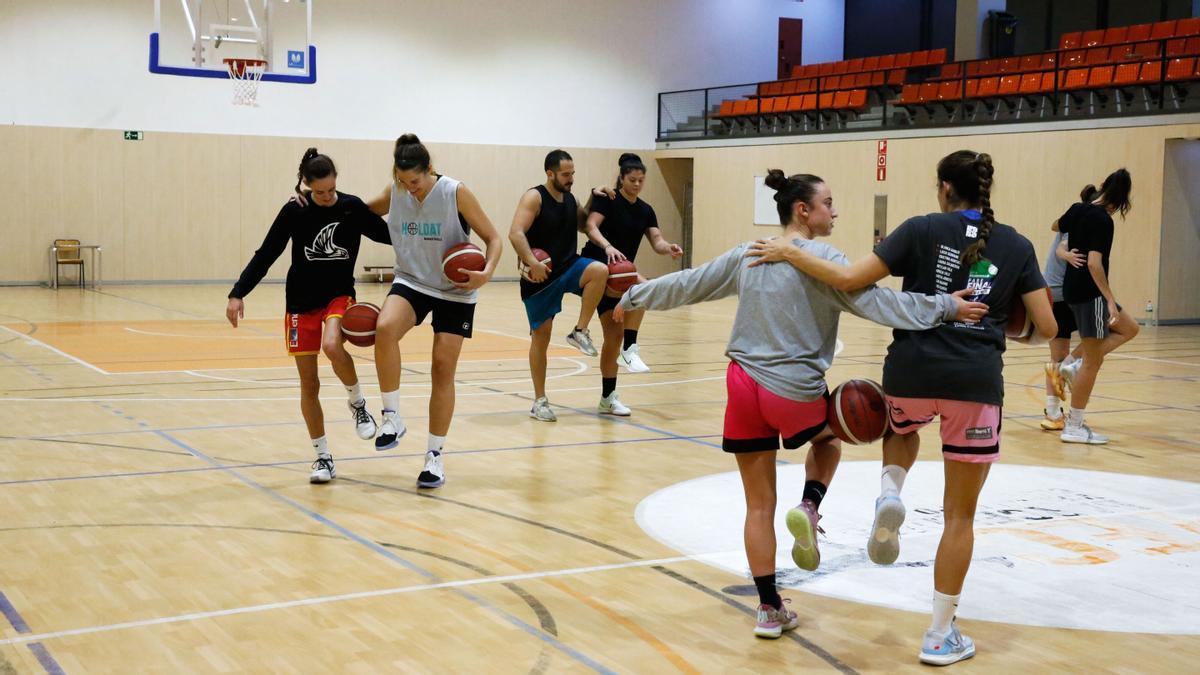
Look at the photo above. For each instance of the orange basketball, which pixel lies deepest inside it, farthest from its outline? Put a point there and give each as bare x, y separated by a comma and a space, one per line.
358, 324
538, 255
1020, 324
621, 276
857, 412
465, 256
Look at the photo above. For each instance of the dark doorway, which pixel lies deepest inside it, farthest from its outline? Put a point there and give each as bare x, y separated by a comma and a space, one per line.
791, 37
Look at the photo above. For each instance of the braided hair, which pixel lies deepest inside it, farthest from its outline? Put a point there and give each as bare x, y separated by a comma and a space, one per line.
970, 175
314, 166
801, 187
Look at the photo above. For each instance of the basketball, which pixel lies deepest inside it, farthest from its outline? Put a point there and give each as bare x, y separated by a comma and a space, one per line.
465, 256
857, 412
539, 255
622, 275
358, 324
1020, 324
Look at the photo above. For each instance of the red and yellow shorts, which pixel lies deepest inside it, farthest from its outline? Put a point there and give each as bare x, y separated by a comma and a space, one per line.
302, 332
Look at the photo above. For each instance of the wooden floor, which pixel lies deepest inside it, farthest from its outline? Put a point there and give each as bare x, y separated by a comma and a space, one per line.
158, 515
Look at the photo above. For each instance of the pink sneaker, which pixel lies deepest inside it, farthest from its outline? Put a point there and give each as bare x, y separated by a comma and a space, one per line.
772, 622
802, 523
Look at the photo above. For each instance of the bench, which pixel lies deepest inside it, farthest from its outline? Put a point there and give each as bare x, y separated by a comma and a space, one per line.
378, 270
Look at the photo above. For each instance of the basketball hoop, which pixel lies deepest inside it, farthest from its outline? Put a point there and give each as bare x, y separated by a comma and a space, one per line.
245, 74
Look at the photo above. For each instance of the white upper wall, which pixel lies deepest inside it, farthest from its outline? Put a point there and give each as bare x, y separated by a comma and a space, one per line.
576, 73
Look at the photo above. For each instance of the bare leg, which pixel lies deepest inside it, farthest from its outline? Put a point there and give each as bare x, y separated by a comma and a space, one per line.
613, 335
539, 344
964, 480
333, 343
310, 402
758, 484
446, 349
593, 282
395, 320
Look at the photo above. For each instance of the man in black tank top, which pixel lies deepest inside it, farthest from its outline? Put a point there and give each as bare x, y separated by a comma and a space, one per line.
549, 218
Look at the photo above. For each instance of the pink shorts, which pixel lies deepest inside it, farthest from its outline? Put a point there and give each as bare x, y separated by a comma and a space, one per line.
970, 431
755, 418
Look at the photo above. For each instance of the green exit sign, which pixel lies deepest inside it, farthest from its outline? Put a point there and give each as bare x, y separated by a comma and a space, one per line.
134, 135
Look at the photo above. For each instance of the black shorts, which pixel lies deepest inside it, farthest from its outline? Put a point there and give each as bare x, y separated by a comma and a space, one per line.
606, 305
1092, 318
452, 317
1066, 320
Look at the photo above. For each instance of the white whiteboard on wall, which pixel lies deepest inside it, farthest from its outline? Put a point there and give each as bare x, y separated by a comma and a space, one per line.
764, 203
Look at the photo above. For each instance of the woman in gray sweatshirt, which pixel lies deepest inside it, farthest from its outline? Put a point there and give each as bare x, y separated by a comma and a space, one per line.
783, 339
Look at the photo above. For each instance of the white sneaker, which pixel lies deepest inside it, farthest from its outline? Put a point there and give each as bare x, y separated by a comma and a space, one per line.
541, 411
391, 431
582, 340
364, 424
631, 360
323, 470
1082, 434
613, 406
434, 474
1068, 373
884, 545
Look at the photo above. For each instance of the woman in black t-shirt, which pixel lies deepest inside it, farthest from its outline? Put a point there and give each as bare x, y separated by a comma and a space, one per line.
615, 228
325, 233
953, 372
1103, 324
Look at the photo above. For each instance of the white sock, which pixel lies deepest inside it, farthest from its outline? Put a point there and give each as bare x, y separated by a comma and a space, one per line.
354, 393
1053, 407
1068, 361
321, 446
391, 400
1075, 417
435, 444
944, 607
892, 480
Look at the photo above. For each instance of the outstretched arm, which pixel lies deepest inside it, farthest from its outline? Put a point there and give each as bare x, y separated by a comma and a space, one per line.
713, 280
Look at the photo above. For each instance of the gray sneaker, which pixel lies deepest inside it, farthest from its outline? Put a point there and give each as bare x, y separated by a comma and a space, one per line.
541, 411
1082, 434
582, 340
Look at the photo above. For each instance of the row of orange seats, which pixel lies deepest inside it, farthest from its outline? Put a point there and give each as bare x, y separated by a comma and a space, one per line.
1138, 33
930, 57
855, 99
1096, 77
1093, 57
1073, 59
832, 83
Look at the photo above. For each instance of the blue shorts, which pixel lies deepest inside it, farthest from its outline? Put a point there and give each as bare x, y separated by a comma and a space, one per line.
543, 305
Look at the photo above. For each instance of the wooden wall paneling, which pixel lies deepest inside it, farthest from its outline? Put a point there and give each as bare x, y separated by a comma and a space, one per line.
1179, 275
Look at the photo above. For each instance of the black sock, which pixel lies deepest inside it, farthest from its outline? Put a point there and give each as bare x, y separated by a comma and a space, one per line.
767, 593
815, 490
608, 386
630, 338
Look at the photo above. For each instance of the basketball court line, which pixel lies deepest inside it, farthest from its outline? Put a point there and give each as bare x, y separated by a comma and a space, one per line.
34, 341
342, 459
371, 545
342, 597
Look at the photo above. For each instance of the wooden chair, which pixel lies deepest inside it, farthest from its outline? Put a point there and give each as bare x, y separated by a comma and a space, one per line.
67, 253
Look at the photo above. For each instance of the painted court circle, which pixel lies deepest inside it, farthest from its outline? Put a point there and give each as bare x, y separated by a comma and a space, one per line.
1065, 548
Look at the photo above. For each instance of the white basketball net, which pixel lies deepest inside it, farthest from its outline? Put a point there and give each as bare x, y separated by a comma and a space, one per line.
245, 74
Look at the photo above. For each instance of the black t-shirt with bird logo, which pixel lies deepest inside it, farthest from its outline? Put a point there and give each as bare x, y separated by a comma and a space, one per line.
325, 242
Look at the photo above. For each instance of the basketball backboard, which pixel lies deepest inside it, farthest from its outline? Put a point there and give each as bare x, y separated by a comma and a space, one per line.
191, 38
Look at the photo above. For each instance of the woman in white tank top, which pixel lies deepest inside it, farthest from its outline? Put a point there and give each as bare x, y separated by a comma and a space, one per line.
427, 214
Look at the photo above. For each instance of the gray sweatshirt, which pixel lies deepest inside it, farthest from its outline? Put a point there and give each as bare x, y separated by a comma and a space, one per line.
785, 330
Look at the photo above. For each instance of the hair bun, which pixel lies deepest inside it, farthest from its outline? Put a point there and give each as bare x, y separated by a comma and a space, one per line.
629, 158
310, 153
776, 180
408, 139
